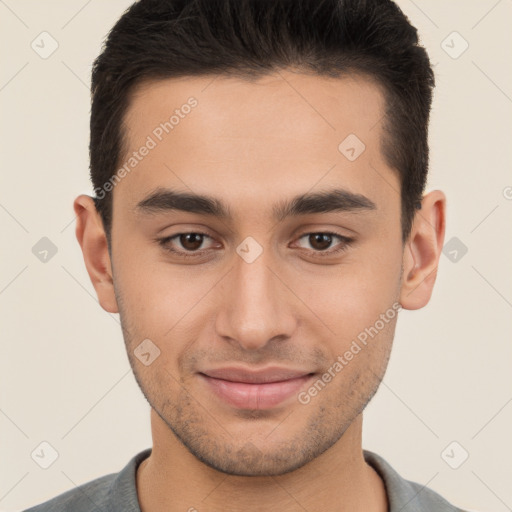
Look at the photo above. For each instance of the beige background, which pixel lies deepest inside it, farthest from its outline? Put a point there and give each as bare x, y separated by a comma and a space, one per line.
64, 375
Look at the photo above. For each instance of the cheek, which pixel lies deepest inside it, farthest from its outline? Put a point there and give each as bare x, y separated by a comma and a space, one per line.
159, 299
352, 297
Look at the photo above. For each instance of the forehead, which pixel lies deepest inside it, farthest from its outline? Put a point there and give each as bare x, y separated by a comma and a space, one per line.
283, 106
280, 135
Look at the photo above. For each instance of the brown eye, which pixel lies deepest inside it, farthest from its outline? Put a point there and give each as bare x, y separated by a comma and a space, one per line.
320, 241
191, 241
186, 245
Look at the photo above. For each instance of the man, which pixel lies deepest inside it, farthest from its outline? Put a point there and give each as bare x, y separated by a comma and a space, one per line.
259, 220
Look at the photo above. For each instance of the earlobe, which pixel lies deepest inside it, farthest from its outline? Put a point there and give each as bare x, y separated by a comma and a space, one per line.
92, 238
423, 250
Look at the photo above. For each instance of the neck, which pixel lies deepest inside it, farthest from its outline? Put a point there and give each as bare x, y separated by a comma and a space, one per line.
173, 479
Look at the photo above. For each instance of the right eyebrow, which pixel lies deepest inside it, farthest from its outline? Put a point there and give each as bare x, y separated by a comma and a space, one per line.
167, 199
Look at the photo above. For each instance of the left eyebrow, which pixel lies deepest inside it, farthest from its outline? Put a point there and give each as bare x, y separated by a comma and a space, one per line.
332, 200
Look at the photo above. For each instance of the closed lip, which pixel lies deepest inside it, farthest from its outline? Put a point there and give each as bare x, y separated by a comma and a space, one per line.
256, 376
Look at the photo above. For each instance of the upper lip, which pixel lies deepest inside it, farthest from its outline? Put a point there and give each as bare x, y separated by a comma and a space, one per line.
252, 376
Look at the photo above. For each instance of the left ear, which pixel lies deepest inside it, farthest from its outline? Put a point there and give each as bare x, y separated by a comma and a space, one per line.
423, 250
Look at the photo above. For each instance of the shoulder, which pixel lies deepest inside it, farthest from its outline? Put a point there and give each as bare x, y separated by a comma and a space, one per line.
405, 495
115, 491
89, 496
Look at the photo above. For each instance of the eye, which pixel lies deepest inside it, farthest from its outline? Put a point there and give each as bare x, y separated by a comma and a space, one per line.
190, 243
321, 241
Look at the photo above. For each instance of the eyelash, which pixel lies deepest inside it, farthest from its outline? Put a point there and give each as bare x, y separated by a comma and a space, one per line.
163, 242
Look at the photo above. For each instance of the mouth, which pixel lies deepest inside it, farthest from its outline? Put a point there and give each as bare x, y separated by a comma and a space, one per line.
250, 389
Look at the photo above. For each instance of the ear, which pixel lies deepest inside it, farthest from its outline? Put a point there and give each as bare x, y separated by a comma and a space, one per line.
92, 238
422, 251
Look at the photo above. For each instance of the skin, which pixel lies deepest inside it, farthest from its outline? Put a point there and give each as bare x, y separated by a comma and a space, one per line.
252, 145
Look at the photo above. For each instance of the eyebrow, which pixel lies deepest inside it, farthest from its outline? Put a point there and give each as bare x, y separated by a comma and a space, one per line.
333, 200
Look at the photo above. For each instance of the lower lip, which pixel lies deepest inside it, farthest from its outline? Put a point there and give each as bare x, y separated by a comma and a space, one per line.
255, 396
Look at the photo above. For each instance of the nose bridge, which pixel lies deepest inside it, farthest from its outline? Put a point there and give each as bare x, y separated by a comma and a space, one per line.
254, 309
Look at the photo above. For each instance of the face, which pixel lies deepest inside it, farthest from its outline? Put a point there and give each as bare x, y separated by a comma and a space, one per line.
253, 296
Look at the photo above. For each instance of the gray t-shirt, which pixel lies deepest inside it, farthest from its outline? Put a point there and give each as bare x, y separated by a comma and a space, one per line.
117, 492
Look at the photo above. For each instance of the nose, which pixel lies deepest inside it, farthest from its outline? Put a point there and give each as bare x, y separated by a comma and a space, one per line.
256, 307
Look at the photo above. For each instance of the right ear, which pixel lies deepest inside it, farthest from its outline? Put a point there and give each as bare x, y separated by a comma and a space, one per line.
92, 238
